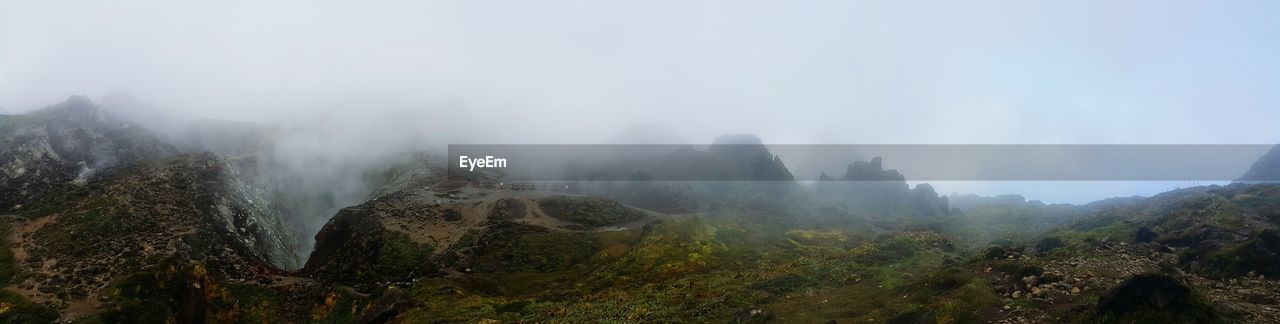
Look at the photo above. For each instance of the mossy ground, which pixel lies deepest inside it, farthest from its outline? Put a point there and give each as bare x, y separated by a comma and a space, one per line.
589, 210
698, 270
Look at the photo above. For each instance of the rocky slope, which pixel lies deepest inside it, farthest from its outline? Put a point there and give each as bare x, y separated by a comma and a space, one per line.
184, 207
96, 200
1214, 248
104, 222
65, 143
1266, 169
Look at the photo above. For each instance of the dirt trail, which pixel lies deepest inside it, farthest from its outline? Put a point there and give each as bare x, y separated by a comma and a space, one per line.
19, 242
18, 236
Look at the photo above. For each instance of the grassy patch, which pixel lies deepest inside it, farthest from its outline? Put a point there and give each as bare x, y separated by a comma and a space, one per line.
399, 259
588, 210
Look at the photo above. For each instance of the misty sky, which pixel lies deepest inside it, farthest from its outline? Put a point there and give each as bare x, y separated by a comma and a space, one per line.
581, 71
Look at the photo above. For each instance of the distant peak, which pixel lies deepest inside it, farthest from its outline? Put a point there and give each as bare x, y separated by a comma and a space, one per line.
76, 104
1265, 169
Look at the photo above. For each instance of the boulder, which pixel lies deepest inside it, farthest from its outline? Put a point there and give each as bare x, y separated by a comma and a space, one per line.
1153, 298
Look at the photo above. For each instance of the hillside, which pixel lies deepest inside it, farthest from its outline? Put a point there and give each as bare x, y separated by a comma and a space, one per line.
1266, 169
107, 222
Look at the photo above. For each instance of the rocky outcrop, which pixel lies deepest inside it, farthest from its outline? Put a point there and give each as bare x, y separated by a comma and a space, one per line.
346, 244
64, 143
867, 188
824, 177
1153, 298
872, 171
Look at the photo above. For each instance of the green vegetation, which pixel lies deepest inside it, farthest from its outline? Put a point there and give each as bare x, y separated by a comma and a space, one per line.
398, 259
8, 265
700, 270
16, 309
172, 293
985, 224
151, 296
13, 307
589, 210
546, 252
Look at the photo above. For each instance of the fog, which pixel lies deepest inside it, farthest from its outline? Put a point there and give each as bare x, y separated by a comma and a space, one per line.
376, 77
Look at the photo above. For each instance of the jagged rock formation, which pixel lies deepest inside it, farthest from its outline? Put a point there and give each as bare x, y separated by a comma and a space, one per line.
867, 188
872, 171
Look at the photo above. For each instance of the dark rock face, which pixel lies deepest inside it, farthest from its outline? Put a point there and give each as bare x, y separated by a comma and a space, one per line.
1266, 169
345, 244
1144, 235
1153, 295
357, 248
927, 201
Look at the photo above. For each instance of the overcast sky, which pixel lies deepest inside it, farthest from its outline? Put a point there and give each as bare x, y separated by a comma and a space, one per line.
789, 71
